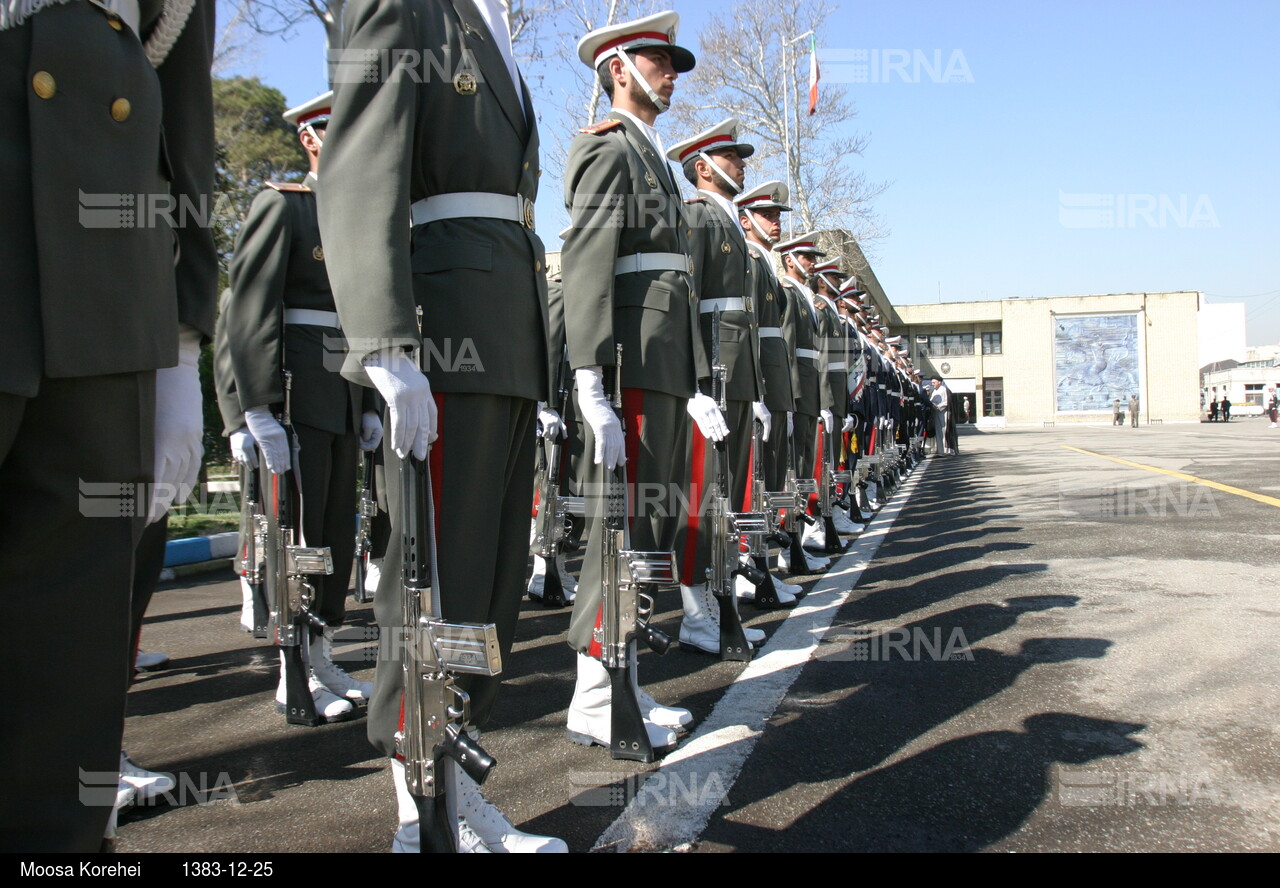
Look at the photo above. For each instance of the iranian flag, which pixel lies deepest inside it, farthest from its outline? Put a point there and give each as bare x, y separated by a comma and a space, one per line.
813, 74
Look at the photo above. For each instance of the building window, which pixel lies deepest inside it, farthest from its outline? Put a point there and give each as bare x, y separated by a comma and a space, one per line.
1253, 393
991, 343
993, 395
950, 344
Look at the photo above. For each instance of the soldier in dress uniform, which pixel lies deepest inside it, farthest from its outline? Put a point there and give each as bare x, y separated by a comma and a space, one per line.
107, 120
627, 280
813, 399
760, 216
826, 283
281, 316
714, 162
456, 156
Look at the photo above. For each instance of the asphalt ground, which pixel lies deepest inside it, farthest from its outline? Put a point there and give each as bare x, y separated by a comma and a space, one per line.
1046, 650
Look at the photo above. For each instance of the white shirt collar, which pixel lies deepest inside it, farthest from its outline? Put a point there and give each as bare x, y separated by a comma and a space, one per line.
498, 20
650, 132
728, 208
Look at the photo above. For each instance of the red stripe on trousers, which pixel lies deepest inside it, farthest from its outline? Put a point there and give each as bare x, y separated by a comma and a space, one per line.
817, 470
696, 488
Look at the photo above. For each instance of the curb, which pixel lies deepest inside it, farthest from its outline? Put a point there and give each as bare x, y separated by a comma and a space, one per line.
199, 554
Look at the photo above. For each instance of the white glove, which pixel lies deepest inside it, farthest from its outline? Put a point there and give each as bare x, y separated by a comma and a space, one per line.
828, 421
791, 423
611, 444
271, 437
370, 430
849, 423
243, 447
550, 423
706, 413
410, 405
766, 418
179, 426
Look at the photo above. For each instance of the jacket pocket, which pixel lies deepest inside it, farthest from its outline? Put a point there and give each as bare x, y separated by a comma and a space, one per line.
651, 294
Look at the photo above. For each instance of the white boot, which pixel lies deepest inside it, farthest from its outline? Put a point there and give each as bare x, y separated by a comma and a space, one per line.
494, 829
786, 592
144, 661
372, 576
700, 627
567, 580
815, 535
672, 717
246, 605
146, 785
539, 578
591, 710
408, 837
843, 523
328, 707
812, 563
333, 678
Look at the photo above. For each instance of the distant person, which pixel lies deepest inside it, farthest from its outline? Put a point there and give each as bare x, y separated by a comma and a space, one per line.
1213, 405
1271, 405
939, 398
1133, 411
1115, 412
1226, 408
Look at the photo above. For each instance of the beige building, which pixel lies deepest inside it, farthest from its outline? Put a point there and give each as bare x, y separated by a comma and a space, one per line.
1063, 359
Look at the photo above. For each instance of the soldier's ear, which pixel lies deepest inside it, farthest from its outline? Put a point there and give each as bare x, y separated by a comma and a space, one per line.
617, 71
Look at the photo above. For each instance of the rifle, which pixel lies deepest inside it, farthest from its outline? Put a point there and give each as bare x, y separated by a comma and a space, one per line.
800, 489
292, 565
831, 542
251, 559
366, 511
552, 525
758, 543
727, 528
433, 654
627, 610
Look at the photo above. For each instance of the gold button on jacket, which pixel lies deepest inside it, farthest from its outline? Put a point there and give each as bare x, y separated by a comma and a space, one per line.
44, 84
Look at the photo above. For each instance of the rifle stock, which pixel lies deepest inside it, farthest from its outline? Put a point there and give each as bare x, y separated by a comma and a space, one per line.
433, 653
626, 609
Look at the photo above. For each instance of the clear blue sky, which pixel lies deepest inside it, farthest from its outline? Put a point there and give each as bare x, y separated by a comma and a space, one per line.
1099, 147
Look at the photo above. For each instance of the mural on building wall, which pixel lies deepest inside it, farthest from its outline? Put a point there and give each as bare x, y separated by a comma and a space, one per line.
1095, 361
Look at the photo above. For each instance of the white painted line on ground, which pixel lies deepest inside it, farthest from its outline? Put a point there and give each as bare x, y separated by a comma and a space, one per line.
713, 755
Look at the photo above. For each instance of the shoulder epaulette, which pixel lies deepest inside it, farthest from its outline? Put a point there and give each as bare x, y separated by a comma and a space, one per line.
602, 127
695, 200
289, 186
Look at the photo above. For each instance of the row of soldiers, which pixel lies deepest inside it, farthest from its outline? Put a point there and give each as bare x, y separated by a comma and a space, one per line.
685, 351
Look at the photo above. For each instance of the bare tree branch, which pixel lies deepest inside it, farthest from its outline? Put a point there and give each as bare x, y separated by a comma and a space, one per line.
741, 73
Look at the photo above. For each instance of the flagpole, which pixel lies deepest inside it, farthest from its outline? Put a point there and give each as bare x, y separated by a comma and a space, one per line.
786, 116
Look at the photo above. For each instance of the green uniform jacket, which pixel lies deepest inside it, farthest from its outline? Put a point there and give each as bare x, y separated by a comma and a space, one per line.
622, 200
96, 280
811, 393
279, 264
224, 377
398, 136
835, 359
777, 358
722, 270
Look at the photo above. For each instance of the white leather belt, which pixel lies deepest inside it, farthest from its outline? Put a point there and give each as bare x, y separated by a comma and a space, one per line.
836, 365
728, 303
311, 317
809, 353
474, 205
652, 262
766, 332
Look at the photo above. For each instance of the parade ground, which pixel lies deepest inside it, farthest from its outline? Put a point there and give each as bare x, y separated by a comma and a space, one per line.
1062, 639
